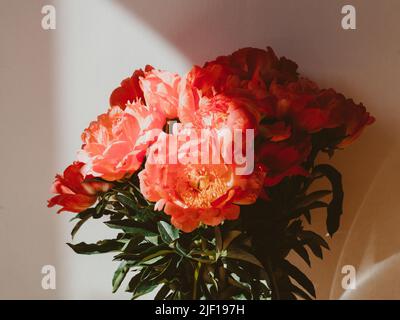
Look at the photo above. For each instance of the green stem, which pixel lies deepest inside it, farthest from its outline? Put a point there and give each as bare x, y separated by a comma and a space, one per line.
196, 280
218, 239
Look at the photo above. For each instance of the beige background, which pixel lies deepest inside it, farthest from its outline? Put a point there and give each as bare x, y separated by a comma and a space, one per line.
52, 83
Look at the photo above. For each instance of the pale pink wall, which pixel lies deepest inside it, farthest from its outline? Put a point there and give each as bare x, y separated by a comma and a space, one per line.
27, 231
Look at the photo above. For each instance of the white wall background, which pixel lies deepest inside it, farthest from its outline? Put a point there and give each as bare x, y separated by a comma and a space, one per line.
53, 83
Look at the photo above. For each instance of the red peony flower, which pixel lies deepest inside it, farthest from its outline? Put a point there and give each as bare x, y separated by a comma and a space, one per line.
246, 71
284, 159
310, 109
74, 192
129, 91
276, 131
295, 102
354, 118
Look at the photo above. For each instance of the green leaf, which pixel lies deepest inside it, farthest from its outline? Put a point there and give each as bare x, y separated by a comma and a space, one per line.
79, 224
145, 273
85, 214
133, 283
143, 288
229, 237
299, 276
244, 287
240, 272
239, 254
315, 237
218, 238
316, 249
99, 209
147, 255
307, 215
162, 293
314, 241
130, 226
160, 270
132, 245
295, 227
181, 251
153, 239
335, 207
102, 246
302, 252
126, 201
312, 197
306, 210
119, 275
168, 232
299, 292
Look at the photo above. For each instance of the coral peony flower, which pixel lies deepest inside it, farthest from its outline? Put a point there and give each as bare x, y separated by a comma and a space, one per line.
114, 146
74, 192
129, 90
193, 192
219, 111
160, 90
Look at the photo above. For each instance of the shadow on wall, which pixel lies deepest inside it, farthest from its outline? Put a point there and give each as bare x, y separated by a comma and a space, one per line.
27, 229
204, 29
362, 63
373, 241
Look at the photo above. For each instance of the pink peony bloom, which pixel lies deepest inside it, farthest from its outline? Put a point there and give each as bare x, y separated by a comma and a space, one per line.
160, 90
219, 111
192, 191
114, 146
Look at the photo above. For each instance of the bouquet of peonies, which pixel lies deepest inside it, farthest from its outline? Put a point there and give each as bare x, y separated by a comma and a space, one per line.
209, 178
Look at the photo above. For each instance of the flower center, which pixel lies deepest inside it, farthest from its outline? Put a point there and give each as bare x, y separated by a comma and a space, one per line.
198, 186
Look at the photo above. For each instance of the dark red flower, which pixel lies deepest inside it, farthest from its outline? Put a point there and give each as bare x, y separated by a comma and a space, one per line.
129, 90
246, 71
354, 117
284, 159
295, 103
309, 109
263, 65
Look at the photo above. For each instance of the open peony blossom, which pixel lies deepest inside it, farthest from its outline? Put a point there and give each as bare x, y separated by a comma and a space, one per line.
115, 145
195, 191
310, 109
219, 111
74, 192
247, 71
160, 90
